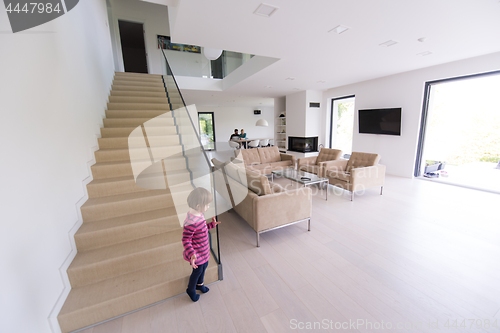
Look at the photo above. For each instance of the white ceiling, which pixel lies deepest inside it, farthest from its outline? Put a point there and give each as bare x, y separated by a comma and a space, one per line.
297, 34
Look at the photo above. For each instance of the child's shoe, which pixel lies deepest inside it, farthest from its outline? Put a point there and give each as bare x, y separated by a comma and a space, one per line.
202, 288
194, 296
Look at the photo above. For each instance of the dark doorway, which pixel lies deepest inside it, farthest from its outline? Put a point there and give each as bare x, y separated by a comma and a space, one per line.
133, 47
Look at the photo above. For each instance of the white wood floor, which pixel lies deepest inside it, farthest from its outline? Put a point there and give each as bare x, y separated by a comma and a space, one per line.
421, 253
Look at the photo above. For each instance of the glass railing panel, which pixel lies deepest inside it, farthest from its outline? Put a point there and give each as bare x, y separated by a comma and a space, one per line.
198, 169
189, 60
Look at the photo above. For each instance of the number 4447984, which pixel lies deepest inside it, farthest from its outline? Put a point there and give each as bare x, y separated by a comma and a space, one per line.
469, 323
36, 7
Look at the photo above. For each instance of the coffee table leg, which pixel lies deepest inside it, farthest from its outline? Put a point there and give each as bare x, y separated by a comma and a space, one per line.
327, 183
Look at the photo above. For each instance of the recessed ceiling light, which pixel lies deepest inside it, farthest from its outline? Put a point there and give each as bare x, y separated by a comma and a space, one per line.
296, 89
421, 40
290, 78
322, 81
423, 54
269, 87
339, 29
265, 10
388, 43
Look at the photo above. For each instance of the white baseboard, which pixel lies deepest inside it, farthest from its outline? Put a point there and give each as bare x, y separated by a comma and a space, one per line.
53, 323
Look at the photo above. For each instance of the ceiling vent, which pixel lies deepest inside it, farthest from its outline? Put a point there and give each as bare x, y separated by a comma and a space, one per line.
265, 10
339, 29
388, 43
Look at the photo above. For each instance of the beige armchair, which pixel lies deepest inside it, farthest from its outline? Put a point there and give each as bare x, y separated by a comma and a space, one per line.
318, 164
360, 172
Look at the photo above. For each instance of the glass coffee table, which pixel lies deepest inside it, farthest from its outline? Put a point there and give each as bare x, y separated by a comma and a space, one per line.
302, 177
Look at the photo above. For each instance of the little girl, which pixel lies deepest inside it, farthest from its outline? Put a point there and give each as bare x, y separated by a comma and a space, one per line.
195, 239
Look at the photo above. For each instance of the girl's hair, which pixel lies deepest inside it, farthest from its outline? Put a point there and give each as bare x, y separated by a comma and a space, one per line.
199, 197
242, 129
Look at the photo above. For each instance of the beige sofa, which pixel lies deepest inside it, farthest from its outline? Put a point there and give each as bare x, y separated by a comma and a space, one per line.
360, 172
264, 206
318, 164
265, 160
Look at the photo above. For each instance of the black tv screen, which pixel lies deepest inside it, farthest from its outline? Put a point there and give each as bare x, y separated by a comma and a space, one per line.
380, 121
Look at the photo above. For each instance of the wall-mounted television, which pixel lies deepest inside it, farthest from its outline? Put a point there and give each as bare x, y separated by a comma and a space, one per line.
380, 121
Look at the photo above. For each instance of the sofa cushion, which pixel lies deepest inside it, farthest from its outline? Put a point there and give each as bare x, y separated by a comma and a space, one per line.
232, 171
284, 164
263, 169
276, 188
327, 154
258, 183
340, 175
269, 155
309, 168
360, 160
250, 156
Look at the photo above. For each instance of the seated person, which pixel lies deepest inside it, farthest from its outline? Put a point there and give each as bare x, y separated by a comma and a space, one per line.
243, 135
235, 136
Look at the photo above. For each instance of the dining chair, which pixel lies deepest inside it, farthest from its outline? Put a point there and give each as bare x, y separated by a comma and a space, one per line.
253, 144
264, 143
234, 144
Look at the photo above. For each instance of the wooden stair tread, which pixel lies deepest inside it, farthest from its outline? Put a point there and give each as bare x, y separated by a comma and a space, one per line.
90, 295
90, 257
116, 222
131, 196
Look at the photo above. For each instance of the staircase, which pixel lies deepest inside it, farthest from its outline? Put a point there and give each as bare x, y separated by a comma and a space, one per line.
129, 245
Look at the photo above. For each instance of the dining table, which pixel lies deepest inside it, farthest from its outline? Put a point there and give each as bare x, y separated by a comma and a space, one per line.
248, 140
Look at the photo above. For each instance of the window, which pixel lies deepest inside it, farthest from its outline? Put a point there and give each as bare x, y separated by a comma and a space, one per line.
207, 130
460, 132
342, 124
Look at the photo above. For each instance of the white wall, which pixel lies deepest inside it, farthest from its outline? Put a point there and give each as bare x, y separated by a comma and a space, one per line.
155, 20
404, 90
314, 116
296, 115
228, 118
52, 103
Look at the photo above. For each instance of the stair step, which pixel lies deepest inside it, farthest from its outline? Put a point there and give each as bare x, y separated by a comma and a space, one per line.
137, 75
138, 106
96, 209
140, 154
100, 264
126, 93
113, 114
134, 122
106, 170
138, 79
116, 132
93, 235
134, 99
157, 88
138, 141
113, 186
138, 83
110, 298
127, 184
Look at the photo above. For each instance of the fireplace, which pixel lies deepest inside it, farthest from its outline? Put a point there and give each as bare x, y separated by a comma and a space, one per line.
303, 145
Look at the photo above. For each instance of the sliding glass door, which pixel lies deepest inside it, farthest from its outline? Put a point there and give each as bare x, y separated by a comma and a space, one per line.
207, 130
